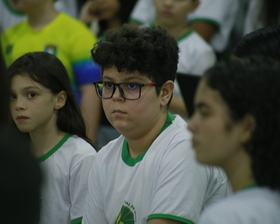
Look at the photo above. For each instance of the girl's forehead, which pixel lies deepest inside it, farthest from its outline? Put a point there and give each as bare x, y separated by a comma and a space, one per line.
24, 81
208, 96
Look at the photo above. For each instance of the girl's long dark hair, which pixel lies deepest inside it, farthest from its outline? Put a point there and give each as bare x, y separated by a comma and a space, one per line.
126, 8
48, 70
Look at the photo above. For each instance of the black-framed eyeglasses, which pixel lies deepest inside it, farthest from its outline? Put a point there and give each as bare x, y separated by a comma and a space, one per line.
128, 90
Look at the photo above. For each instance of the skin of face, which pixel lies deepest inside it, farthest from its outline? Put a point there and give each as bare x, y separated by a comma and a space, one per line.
134, 118
217, 140
33, 107
104, 9
173, 12
28, 5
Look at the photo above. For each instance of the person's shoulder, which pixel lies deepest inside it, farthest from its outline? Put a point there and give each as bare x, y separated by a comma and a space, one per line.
15, 28
176, 132
78, 146
111, 149
221, 211
178, 123
244, 205
200, 43
72, 22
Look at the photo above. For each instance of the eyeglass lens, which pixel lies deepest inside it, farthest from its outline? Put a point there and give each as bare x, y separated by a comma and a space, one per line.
127, 90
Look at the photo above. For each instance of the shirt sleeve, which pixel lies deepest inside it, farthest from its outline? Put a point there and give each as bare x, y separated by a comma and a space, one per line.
181, 185
213, 11
85, 69
94, 209
78, 188
202, 61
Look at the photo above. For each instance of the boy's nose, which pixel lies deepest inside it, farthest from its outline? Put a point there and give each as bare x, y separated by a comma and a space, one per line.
117, 94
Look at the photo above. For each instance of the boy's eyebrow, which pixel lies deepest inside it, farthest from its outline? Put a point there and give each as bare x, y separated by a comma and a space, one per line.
132, 77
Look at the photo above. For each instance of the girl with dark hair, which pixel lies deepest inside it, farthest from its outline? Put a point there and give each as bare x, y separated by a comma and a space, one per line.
236, 126
264, 41
108, 14
43, 104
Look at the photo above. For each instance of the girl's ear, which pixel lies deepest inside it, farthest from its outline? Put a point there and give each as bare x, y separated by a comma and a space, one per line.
249, 125
166, 92
60, 100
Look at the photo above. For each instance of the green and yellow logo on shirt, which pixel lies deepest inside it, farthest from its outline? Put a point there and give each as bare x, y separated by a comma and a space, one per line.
126, 215
52, 49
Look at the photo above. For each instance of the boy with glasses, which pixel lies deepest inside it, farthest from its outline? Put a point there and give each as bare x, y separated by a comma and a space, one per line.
148, 174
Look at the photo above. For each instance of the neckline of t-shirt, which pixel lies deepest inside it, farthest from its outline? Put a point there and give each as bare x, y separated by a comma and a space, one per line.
249, 186
128, 160
54, 149
45, 27
183, 36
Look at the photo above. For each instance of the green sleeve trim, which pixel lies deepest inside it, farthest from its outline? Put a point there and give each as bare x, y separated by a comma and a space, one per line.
12, 10
206, 20
54, 149
168, 216
136, 21
76, 221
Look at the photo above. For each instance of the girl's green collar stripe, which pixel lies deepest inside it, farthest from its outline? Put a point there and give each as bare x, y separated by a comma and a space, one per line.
132, 161
11, 9
54, 149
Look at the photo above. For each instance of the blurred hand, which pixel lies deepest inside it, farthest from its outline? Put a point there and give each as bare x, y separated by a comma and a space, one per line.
88, 12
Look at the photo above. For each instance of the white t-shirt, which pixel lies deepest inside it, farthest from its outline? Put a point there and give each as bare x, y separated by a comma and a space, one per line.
9, 17
195, 56
65, 168
249, 206
164, 182
222, 13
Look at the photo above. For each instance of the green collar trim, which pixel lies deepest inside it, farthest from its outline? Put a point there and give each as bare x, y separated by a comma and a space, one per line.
6, 2
54, 149
214, 22
183, 36
189, 32
252, 185
128, 160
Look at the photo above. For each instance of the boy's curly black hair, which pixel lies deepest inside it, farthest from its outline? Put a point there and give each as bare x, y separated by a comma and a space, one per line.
150, 51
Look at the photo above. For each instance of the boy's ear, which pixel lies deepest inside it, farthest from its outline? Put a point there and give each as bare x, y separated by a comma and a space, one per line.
60, 100
166, 92
196, 3
248, 127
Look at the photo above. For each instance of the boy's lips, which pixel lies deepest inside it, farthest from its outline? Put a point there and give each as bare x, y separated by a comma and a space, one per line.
118, 112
